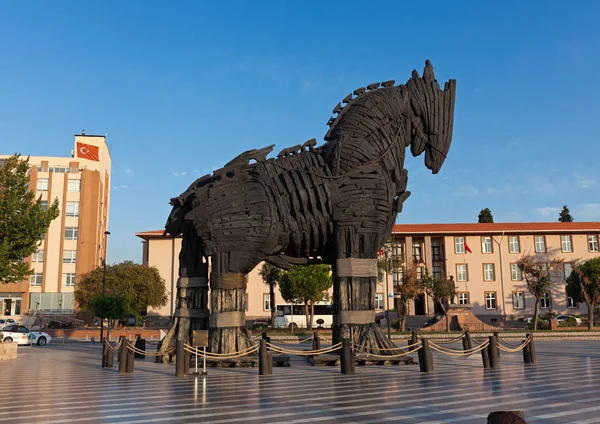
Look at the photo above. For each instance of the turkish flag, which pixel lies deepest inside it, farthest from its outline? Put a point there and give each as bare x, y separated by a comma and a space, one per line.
467, 247
87, 151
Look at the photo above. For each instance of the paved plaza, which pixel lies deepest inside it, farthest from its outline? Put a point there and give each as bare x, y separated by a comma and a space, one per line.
65, 384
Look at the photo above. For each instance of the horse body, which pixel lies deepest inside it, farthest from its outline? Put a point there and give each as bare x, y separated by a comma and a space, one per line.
335, 203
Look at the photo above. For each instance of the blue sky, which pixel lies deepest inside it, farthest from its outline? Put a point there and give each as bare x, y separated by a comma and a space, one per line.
183, 87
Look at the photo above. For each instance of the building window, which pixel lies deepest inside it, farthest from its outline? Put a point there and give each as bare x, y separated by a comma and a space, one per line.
490, 300
42, 184
515, 273
437, 272
486, 244
36, 279
568, 269
488, 272
74, 185
593, 243
566, 243
38, 256
540, 244
459, 244
436, 253
513, 244
379, 301
69, 256
417, 252
71, 233
44, 205
463, 298
419, 273
72, 209
571, 304
518, 300
461, 272
266, 302
545, 302
68, 279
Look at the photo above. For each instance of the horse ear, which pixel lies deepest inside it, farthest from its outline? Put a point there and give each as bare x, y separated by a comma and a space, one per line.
428, 74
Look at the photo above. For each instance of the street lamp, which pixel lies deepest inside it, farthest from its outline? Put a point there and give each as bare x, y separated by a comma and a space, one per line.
387, 294
106, 234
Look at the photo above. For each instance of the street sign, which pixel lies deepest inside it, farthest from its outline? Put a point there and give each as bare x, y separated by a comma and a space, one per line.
200, 338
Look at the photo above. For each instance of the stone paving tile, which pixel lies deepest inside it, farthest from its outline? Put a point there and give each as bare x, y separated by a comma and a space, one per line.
65, 384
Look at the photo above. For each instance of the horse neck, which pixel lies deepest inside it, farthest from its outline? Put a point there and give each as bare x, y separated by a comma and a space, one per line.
373, 129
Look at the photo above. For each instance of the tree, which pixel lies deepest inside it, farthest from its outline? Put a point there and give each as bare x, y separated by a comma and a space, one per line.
408, 289
441, 289
139, 285
110, 306
23, 221
583, 285
485, 216
565, 215
538, 277
271, 275
307, 284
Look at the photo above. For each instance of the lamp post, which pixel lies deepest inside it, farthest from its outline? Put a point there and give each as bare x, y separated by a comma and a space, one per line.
106, 234
387, 294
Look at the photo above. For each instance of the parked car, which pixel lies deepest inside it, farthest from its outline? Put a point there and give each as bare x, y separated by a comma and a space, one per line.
22, 335
435, 319
6, 321
565, 317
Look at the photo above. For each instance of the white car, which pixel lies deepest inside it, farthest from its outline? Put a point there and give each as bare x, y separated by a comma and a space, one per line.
22, 335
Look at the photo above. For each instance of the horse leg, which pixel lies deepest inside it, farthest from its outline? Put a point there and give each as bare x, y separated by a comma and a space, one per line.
228, 333
191, 311
354, 290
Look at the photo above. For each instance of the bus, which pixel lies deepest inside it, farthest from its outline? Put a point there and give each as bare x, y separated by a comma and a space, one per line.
289, 315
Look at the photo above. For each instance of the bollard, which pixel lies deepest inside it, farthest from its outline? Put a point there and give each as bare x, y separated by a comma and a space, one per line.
129, 362
347, 360
469, 340
270, 362
316, 345
493, 352
485, 357
109, 358
497, 335
532, 349
412, 340
465, 343
179, 359
123, 355
526, 353
263, 358
425, 357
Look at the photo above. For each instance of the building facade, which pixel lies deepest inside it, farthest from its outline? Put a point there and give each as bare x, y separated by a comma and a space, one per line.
75, 242
481, 258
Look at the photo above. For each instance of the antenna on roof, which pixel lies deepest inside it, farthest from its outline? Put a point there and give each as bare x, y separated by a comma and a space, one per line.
82, 132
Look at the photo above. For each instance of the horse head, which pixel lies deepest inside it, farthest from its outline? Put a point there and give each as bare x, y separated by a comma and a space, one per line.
432, 117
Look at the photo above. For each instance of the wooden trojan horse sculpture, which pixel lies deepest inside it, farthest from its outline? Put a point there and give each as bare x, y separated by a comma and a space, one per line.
334, 204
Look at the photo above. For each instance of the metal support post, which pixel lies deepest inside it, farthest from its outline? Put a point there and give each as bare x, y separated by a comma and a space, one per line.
347, 359
109, 358
129, 362
497, 335
526, 353
425, 357
413, 339
493, 352
263, 358
485, 357
316, 341
123, 355
532, 349
179, 359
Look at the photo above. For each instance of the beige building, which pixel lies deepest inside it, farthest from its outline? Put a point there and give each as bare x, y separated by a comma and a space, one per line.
487, 279
75, 242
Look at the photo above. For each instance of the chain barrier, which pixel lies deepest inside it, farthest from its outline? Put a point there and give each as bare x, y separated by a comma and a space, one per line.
454, 352
231, 355
113, 348
360, 349
134, 349
450, 341
279, 349
506, 348
305, 340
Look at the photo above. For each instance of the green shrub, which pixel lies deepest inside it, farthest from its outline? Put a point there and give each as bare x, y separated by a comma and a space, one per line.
541, 324
569, 322
1, 337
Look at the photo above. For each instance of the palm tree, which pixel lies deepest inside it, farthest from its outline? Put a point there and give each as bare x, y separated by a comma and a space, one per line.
271, 275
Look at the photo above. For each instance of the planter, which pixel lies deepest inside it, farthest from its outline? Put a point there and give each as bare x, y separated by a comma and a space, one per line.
8, 351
